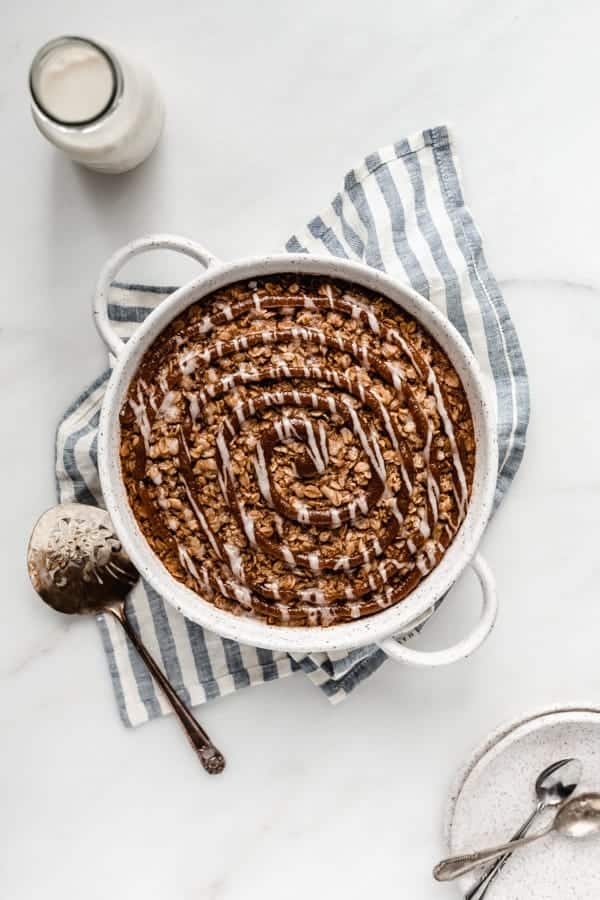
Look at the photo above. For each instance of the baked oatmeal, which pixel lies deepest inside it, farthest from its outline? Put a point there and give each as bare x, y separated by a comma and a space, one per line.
298, 449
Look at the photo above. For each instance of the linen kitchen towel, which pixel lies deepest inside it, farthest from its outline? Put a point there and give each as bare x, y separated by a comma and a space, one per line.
402, 211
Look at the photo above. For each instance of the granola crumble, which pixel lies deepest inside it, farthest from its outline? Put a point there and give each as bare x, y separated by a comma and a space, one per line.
298, 449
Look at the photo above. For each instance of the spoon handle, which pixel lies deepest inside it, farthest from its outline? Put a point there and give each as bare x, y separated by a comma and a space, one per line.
211, 758
452, 868
481, 886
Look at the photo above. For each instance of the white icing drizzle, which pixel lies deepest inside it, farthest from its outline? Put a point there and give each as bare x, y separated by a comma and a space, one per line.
184, 444
187, 562
312, 595
242, 594
396, 374
383, 572
224, 472
327, 615
449, 429
201, 519
314, 562
406, 479
431, 483
392, 503
395, 335
235, 561
424, 527
152, 398
430, 552
372, 452
422, 566
388, 426
141, 415
288, 556
262, 475
194, 407
284, 612
359, 503
303, 513
248, 525
188, 362
342, 563
168, 408
206, 325
380, 468
317, 450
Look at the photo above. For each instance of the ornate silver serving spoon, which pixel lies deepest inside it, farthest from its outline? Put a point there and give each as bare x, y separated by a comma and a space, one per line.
579, 817
77, 565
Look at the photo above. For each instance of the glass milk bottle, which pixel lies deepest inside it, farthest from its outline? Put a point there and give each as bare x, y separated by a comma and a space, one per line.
98, 107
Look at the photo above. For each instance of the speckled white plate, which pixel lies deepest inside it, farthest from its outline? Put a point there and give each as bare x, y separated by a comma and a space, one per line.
493, 794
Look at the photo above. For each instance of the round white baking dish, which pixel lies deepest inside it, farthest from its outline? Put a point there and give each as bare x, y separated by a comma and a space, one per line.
390, 626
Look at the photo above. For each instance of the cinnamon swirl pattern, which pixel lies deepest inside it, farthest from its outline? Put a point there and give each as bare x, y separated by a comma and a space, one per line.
297, 449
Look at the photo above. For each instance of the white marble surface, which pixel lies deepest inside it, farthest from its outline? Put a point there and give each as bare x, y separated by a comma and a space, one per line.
268, 104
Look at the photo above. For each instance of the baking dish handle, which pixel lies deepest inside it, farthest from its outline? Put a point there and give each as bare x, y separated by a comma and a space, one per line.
466, 646
118, 260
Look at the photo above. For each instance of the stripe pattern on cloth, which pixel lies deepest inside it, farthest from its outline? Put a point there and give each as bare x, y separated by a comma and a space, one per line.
401, 211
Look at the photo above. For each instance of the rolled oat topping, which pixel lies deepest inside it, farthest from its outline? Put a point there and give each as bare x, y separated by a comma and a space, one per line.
297, 449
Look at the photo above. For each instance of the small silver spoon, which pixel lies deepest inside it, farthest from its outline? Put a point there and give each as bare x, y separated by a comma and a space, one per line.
77, 565
552, 787
579, 817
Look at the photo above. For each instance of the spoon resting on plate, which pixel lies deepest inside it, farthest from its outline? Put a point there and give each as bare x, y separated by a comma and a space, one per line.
77, 565
555, 784
579, 817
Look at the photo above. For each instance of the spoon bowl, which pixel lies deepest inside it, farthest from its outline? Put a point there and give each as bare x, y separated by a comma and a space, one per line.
557, 782
579, 817
75, 562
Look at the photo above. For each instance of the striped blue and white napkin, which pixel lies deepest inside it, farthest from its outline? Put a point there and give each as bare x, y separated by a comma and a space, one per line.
401, 211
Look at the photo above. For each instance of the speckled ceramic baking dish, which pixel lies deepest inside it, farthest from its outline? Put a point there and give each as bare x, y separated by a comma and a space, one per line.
391, 625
